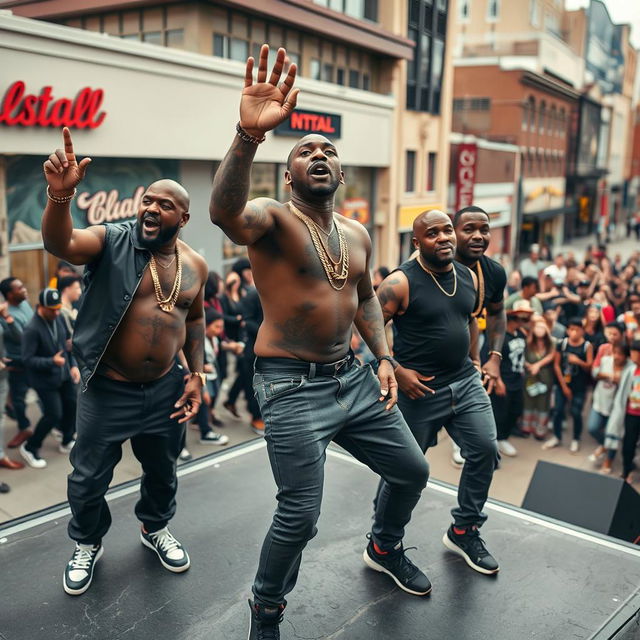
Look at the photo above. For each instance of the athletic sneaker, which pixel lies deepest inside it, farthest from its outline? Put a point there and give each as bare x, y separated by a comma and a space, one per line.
32, 458
172, 554
257, 426
456, 457
396, 564
185, 455
265, 622
504, 446
66, 448
597, 456
79, 570
574, 447
57, 434
551, 443
214, 438
471, 547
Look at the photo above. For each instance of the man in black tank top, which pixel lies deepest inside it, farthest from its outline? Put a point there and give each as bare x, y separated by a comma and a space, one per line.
473, 235
431, 300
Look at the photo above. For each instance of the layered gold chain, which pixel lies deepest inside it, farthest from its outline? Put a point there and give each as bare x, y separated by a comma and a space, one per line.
480, 275
168, 303
337, 272
455, 278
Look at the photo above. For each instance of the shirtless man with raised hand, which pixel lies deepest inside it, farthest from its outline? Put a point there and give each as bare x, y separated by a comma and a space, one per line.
311, 269
143, 304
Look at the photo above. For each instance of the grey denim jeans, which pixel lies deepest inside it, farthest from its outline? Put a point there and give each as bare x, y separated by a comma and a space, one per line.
463, 408
302, 415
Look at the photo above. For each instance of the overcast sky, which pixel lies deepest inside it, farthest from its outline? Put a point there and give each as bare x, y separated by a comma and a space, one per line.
620, 11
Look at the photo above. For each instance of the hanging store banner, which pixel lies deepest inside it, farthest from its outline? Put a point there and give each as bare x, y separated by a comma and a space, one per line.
110, 192
466, 174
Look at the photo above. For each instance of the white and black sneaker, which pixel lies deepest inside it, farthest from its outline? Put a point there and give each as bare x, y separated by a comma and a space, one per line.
32, 458
466, 542
172, 554
396, 564
265, 622
79, 570
214, 438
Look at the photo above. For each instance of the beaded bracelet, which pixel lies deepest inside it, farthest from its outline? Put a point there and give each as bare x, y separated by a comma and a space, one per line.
63, 199
243, 135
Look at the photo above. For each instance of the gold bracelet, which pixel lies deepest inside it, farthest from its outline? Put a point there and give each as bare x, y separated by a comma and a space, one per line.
247, 137
61, 200
496, 353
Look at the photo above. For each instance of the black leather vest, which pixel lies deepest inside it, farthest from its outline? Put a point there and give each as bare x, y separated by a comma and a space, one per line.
110, 282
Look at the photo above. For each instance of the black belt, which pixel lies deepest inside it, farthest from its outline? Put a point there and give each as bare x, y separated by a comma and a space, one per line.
310, 369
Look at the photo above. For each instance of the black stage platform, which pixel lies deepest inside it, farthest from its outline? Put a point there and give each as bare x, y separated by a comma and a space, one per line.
556, 583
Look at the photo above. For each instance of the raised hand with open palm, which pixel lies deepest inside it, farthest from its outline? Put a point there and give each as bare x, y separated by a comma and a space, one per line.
265, 105
62, 170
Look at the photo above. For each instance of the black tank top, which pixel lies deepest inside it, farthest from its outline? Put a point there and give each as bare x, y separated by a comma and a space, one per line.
432, 336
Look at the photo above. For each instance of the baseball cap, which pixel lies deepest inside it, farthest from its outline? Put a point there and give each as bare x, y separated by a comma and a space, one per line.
50, 298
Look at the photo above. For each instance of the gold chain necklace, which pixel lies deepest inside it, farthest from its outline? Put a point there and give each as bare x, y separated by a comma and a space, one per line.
159, 264
455, 278
337, 272
480, 275
168, 303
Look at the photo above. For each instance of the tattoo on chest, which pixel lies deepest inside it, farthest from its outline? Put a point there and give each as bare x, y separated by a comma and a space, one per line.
189, 278
153, 328
297, 331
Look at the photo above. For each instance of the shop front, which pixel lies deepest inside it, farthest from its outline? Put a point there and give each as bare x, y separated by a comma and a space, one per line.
143, 112
543, 209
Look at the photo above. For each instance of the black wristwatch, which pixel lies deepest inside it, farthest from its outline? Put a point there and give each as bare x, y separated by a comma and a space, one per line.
389, 359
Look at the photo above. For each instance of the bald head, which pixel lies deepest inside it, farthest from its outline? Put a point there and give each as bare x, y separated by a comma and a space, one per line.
312, 137
172, 188
427, 218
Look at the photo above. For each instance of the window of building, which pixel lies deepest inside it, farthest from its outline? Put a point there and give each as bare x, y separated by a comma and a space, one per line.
175, 38
562, 123
525, 115
153, 37
493, 10
551, 126
534, 13
464, 10
432, 161
340, 76
361, 9
427, 28
354, 78
541, 116
410, 178
532, 113
314, 69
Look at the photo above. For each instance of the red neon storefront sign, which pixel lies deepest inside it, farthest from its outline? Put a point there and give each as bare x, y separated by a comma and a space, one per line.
20, 108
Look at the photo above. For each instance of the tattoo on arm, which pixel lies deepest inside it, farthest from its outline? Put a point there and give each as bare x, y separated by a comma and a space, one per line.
232, 181
390, 299
370, 324
194, 344
496, 325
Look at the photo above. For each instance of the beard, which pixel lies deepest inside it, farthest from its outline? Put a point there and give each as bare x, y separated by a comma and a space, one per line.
165, 235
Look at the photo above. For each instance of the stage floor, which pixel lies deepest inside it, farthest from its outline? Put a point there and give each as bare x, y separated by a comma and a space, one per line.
555, 582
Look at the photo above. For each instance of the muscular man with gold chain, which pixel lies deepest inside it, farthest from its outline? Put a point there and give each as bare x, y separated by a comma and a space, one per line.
311, 269
143, 303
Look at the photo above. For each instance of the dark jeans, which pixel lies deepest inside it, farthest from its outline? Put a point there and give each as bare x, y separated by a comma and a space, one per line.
110, 412
575, 407
18, 387
58, 410
507, 410
464, 410
629, 443
302, 415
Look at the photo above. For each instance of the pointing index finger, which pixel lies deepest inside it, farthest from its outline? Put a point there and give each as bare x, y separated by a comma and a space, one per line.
68, 144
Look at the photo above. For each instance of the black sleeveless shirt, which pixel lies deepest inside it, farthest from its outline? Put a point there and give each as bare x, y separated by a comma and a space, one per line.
432, 336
